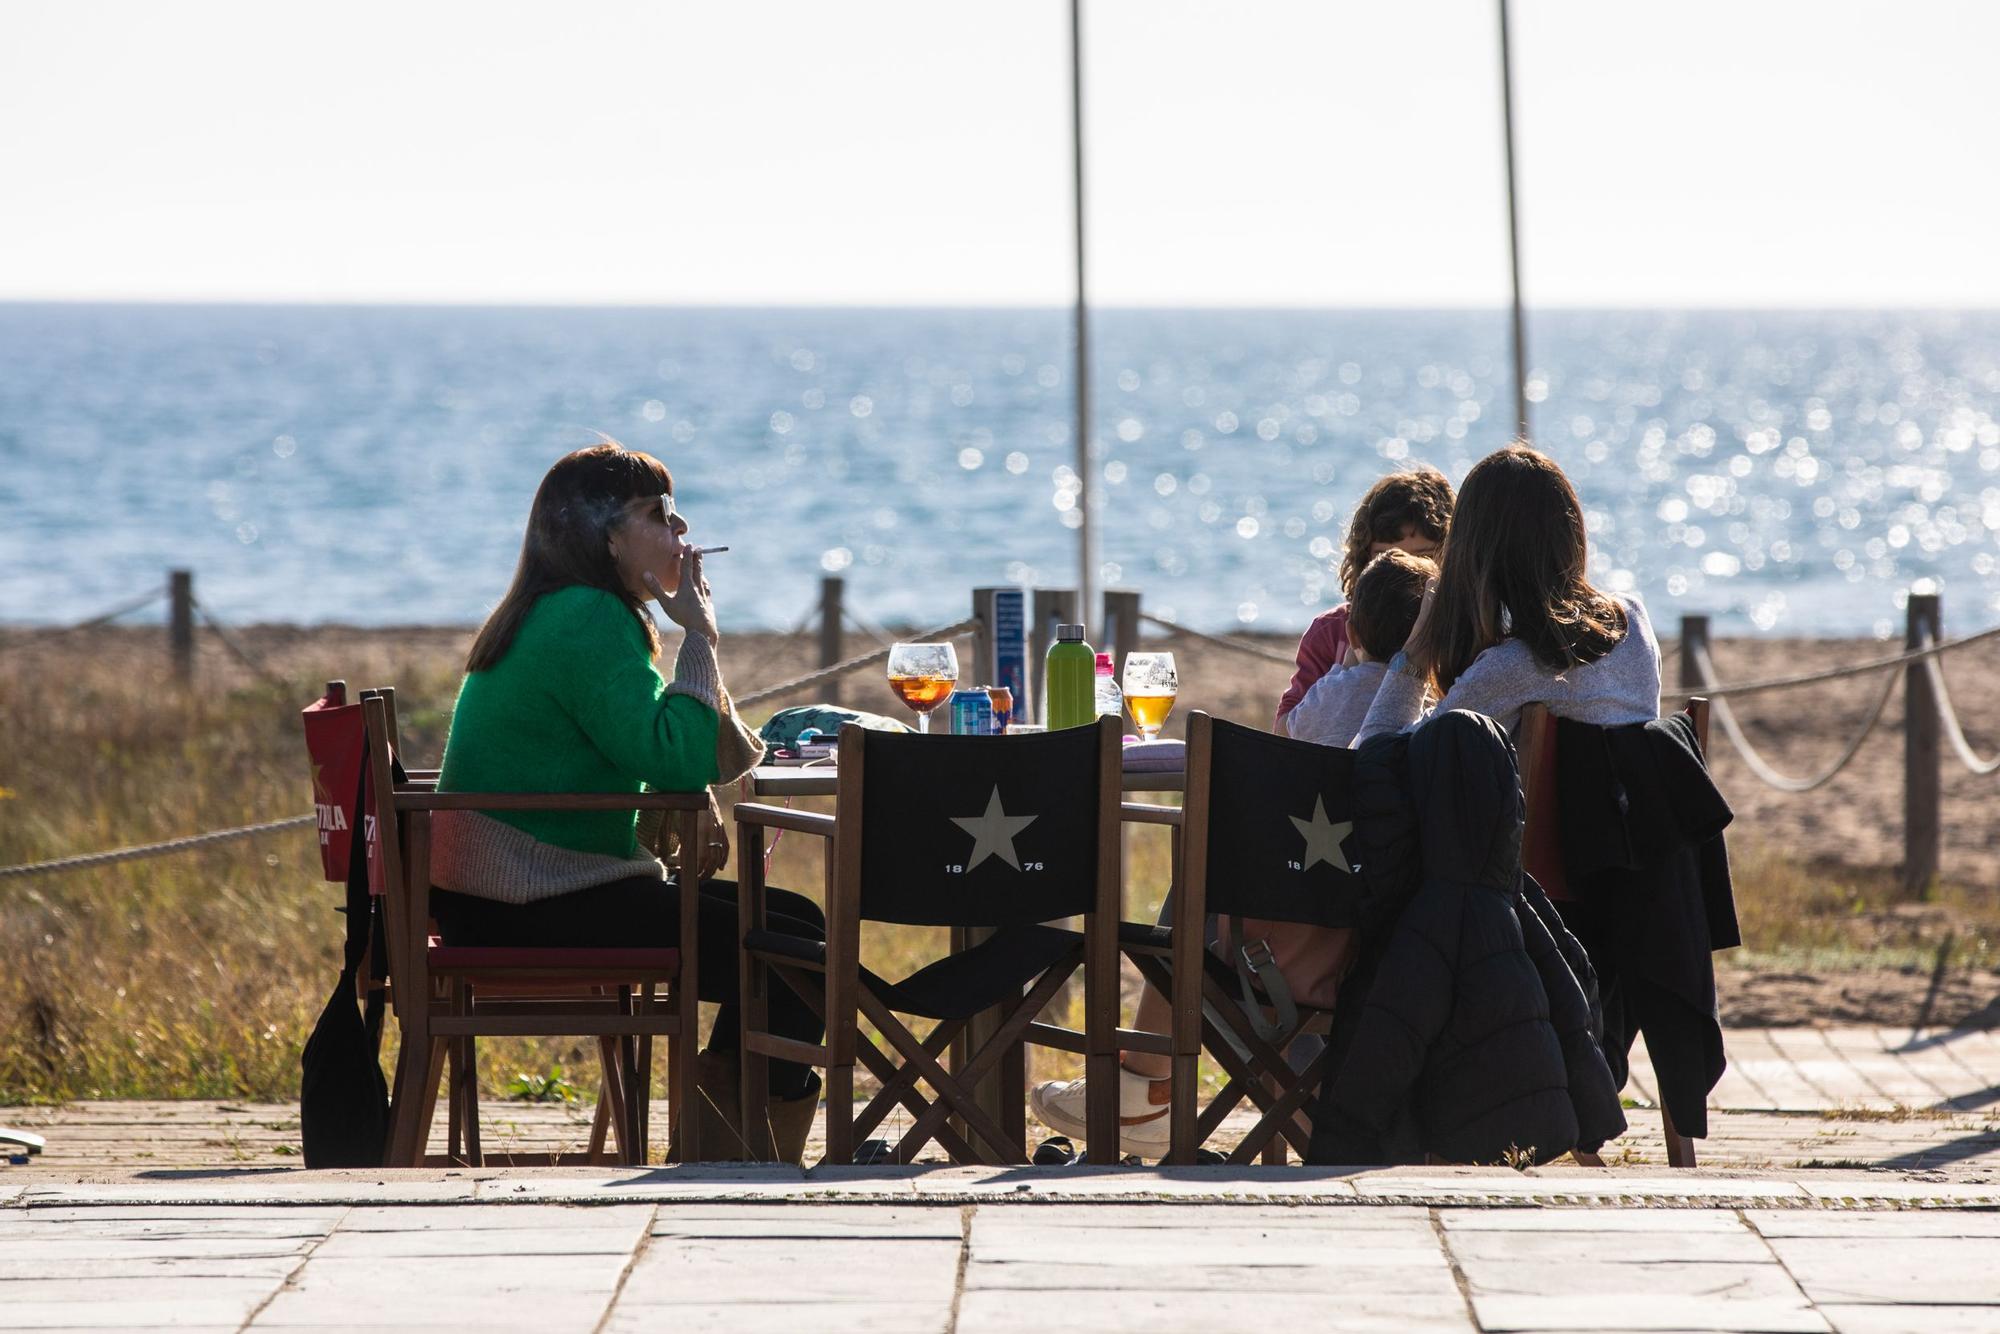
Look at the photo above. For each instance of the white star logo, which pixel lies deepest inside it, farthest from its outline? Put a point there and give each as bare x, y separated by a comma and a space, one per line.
993, 833
1323, 837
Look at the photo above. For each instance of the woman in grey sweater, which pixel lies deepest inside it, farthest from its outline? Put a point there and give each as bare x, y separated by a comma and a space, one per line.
1512, 620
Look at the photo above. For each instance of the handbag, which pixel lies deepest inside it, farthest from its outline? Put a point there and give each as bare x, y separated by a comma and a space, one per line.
343, 1097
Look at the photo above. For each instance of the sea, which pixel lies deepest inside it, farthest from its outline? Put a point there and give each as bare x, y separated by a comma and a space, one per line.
1785, 472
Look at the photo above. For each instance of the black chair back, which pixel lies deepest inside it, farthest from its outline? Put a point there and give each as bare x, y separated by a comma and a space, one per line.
1279, 811
979, 831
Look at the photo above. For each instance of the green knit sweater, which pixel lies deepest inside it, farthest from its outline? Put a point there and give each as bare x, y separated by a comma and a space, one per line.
576, 705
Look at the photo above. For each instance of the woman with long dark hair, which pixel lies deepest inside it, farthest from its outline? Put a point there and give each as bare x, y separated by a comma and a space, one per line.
1513, 619
561, 694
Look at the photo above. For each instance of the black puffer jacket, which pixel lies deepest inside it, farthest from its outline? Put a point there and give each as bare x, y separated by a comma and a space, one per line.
1448, 1043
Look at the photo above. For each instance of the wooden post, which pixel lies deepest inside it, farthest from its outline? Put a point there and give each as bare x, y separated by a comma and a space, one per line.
1050, 607
1121, 625
1922, 753
180, 624
830, 592
1694, 634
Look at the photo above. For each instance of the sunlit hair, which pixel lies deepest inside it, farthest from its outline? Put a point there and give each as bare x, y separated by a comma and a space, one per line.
568, 541
1385, 601
1514, 567
1417, 498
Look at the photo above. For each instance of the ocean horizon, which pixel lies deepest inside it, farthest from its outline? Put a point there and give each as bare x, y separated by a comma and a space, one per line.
1784, 471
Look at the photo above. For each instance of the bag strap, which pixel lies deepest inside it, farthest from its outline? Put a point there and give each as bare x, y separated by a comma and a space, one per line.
1257, 968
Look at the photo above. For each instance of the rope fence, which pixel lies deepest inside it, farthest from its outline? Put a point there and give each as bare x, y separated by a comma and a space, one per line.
146, 850
1220, 641
1931, 721
144, 600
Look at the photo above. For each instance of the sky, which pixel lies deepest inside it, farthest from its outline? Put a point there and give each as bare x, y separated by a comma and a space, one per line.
1742, 153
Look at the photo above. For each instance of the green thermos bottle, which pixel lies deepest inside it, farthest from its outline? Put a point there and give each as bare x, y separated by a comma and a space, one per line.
1069, 679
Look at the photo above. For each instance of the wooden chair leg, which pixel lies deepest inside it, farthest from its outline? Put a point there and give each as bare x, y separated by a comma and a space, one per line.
1680, 1149
1274, 1150
840, 1114
612, 1060
1585, 1158
409, 1113
681, 1093
600, 1123
468, 1069
427, 1095
643, 1076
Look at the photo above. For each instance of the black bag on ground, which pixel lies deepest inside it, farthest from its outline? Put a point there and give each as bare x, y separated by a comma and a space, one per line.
343, 1098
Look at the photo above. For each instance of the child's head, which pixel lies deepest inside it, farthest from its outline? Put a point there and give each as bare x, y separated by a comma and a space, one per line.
1385, 601
1410, 510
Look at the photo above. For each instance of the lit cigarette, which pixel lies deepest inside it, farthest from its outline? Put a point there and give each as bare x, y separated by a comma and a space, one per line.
707, 551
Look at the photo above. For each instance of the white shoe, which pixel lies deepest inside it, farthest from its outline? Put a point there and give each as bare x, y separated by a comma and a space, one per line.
1142, 1111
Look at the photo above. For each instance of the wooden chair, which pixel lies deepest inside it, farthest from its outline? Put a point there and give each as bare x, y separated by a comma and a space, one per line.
1260, 837
445, 996
1542, 851
972, 833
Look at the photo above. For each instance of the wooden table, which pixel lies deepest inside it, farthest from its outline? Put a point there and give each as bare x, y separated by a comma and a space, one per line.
823, 780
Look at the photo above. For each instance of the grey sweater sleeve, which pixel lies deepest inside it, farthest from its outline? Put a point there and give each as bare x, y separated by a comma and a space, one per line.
1333, 709
1497, 684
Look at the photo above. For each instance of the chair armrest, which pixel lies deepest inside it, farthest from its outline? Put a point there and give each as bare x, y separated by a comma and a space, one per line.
1137, 812
552, 801
779, 817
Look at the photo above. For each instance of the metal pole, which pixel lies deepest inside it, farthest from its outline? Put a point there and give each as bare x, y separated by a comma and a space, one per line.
1521, 424
1086, 554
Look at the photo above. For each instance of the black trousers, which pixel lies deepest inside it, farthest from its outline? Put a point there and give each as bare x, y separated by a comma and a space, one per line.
645, 913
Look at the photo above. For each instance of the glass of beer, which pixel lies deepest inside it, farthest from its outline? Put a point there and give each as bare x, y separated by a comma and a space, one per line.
1150, 686
922, 676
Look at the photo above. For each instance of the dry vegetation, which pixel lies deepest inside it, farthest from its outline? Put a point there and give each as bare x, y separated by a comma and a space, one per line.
199, 975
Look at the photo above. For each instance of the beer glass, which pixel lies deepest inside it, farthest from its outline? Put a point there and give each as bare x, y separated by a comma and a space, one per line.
922, 676
1150, 686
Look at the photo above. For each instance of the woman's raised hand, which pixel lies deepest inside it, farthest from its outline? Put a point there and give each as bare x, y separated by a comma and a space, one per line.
688, 606
1416, 650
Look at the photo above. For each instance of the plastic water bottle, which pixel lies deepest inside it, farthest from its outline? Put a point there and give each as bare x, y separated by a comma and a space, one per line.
1110, 699
1066, 679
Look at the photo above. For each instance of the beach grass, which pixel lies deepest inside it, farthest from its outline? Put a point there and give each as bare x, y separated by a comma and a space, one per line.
200, 975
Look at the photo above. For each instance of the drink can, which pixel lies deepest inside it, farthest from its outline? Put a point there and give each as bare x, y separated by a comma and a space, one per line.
971, 712
1003, 707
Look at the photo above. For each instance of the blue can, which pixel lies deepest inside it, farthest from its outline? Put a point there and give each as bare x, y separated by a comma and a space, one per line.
971, 712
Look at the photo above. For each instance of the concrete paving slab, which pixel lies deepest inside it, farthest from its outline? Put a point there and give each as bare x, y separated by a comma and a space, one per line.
1142, 1312
717, 1270
1579, 1186
214, 1312
1656, 1312
266, 1188
1883, 1269
1557, 1251
941, 1222
1590, 1221
643, 1184
273, 1267
1902, 1190
1882, 1223
514, 1216
1134, 1183
781, 1318
558, 1292
1045, 1216
1903, 1319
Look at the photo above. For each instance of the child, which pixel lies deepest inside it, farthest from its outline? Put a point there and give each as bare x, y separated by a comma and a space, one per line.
1381, 610
1409, 511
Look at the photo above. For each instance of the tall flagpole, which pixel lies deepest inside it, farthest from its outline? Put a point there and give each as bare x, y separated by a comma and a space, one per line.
1521, 424
1086, 555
